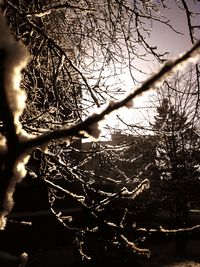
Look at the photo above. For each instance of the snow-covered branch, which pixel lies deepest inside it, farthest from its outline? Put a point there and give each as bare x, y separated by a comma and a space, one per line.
56, 7
90, 127
14, 58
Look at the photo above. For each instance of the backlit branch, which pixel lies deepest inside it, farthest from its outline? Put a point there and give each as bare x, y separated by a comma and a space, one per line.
52, 44
90, 125
49, 10
13, 59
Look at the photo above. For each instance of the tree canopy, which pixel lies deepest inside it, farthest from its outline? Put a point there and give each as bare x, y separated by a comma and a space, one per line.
59, 61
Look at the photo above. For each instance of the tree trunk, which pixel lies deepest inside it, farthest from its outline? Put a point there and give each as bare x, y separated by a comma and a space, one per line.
182, 213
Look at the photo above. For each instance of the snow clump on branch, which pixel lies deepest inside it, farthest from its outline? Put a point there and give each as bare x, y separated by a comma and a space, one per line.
16, 58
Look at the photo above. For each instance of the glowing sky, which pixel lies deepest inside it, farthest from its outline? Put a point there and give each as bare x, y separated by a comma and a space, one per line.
165, 39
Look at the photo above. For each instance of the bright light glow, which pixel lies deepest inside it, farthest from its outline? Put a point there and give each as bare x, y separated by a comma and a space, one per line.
135, 113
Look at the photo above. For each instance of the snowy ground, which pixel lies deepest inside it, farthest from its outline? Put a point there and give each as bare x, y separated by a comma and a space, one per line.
47, 254
163, 255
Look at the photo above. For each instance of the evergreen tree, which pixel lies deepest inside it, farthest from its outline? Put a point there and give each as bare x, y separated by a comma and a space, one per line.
177, 157
178, 161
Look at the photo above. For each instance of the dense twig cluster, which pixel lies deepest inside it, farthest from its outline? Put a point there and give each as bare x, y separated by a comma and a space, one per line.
55, 89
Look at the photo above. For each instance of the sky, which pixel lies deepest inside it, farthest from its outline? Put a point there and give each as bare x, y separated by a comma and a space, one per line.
166, 40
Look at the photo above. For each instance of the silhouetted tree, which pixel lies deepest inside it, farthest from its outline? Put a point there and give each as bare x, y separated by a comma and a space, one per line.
177, 159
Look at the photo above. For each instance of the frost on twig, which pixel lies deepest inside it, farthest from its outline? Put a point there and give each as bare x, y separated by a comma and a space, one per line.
137, 191
171, 232
56, 7
79, 245
132, 246
90, 126
79, 198
14, 58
